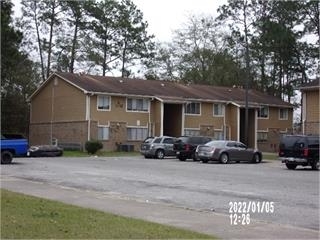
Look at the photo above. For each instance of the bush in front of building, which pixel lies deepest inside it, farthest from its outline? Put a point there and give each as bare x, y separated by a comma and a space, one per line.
93, 146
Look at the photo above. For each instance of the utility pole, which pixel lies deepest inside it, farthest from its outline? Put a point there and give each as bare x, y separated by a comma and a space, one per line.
246, 127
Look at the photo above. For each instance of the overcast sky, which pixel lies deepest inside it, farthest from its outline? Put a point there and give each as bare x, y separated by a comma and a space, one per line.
164, 16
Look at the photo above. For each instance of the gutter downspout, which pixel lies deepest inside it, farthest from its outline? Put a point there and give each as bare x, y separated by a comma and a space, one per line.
88, 115
161, 119
238, 124
256, 129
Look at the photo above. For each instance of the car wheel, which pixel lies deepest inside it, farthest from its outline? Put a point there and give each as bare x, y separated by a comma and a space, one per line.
182, 159
224, 158
6, 157
315, 165
291, 166
256, 158
160, 154
204, 160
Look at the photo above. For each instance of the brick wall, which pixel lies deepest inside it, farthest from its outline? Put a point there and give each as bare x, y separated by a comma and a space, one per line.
64, 132
312, 128
273, 140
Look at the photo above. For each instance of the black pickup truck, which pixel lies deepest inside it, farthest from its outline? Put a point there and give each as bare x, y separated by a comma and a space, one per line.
303, 150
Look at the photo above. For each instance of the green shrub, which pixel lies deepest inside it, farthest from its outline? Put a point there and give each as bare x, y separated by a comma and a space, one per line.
93, 146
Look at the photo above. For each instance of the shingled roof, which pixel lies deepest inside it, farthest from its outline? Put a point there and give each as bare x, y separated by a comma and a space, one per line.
166, 91
314, 84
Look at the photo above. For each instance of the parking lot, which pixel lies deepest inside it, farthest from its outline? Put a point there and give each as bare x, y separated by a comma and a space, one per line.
205, 187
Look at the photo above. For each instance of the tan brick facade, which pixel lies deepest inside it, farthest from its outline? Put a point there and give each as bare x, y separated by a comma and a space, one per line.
310, 110
63, 111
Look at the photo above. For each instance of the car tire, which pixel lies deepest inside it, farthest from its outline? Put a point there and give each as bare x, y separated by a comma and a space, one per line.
224, 158
291, 166
160, 154
6, 157
256, 158
182, 159
204, 160
315, 165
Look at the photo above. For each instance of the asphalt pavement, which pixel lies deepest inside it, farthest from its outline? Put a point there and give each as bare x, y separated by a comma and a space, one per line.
140, 188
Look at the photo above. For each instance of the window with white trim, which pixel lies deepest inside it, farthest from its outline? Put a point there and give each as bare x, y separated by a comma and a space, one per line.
192, 108
191, 132
262, 136
136, 133
138, 104
283, 113
218, 135
263, 112
103, 133
218, 109
103, 103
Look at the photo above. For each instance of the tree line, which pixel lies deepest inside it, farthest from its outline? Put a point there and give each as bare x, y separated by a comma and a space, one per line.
271, 45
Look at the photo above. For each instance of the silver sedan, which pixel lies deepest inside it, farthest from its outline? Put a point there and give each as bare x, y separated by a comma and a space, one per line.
227, 151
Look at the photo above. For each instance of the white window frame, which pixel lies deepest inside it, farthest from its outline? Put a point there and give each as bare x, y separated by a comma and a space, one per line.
221, 109
220, 132
194, 114
262, 140
108, 132
286, 110
136, 138
109, 101
267, 110
191, 132
144, 100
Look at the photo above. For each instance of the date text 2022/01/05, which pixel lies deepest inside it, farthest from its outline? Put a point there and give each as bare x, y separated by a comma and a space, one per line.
240, 212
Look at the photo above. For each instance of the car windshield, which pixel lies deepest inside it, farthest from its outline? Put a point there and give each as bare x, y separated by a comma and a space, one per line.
148, 140
217, 144
182, 139
157, 140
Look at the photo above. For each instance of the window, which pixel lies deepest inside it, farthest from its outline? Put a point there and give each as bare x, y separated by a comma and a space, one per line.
137, 104
231, 144
263, 112
191, 132
168, 141
135, 133
218, 110
283, 113
103, 133
218, 135
103, 103
262, 136
192, 108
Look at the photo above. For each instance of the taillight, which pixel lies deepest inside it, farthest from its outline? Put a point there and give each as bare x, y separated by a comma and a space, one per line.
187, 147
305, 152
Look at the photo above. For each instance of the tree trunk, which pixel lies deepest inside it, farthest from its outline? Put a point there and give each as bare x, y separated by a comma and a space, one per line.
51, 35
39, 41
73, 49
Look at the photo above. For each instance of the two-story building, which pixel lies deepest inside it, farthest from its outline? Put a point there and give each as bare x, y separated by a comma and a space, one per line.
74, 108
310, 107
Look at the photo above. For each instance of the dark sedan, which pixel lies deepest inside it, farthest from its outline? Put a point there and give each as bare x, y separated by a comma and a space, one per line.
227, 151
45, 151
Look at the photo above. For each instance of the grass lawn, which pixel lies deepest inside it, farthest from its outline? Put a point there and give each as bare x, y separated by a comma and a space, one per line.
270, 156
26, 217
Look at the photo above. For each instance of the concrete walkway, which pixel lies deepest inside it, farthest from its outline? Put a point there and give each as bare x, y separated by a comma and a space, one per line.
206, 222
